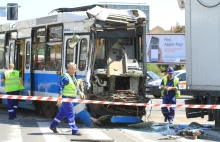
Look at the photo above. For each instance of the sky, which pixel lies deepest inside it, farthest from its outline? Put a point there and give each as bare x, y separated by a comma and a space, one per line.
164, 13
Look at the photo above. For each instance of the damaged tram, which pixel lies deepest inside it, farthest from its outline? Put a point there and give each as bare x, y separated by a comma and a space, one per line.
108, 46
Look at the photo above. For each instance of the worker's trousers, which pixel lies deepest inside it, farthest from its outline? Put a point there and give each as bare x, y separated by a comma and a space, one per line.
169, 114
66, 110
12, 104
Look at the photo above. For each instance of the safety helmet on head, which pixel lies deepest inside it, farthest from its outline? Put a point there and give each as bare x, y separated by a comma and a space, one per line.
170, 70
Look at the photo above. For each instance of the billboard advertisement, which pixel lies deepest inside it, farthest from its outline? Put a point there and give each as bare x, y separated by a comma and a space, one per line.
166, 48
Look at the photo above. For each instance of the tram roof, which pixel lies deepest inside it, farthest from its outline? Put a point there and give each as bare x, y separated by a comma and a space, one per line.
80, 14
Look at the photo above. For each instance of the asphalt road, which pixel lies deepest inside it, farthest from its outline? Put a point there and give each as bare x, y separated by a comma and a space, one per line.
29, 127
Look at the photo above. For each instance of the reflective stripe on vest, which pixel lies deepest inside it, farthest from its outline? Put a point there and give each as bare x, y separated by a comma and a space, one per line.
70, 89
12, 81
176, 80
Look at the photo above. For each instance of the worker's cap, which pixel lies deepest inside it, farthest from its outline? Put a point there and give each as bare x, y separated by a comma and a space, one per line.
170, 70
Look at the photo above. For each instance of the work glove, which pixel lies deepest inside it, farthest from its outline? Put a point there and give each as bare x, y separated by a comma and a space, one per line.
82, 96
59, 103
168, 88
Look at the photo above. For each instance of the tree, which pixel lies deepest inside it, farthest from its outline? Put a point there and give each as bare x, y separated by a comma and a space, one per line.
179, 28
154, 68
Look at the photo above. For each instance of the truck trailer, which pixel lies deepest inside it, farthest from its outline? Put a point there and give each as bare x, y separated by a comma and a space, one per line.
202, 56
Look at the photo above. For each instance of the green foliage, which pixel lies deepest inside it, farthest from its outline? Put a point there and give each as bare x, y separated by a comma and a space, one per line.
178, 67
179, 28
154, 68
163, 68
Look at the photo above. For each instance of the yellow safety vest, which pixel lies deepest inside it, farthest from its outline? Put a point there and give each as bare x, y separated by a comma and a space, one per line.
176, 80
70, 89
12, 81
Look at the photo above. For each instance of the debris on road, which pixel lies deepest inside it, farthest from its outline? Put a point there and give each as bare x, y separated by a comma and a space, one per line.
95, 121
148, 124
165, 130
171, 138
192, 131
192, 134
195, 125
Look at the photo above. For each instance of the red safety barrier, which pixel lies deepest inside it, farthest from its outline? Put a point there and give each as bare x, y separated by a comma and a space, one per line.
40, 98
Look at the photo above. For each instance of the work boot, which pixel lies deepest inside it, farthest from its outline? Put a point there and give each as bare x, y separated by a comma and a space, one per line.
165, 120
77, 133
54, 129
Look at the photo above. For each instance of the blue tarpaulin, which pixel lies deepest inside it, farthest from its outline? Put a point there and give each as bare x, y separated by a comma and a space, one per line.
125, 119
181, 127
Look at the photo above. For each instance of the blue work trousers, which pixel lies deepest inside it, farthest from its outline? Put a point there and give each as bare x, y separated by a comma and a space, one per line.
66, 110
12, 105
169, 114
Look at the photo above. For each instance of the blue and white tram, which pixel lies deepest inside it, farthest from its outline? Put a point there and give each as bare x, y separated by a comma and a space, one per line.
38, 48
109, 54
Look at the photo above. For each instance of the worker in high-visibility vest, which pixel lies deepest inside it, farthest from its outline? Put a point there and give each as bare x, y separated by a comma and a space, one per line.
68, 88
170, 93
13, 86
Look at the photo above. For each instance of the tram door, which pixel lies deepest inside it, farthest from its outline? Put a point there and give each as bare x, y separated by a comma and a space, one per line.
27, 66
82, 56
23, 62
18, 56
12, 52
69, 53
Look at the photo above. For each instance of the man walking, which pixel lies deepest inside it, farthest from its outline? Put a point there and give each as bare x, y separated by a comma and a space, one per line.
13, 85
169, 86
68, 88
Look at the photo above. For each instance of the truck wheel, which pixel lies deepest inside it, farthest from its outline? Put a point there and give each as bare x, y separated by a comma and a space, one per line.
38, 107
49, 109
157, 96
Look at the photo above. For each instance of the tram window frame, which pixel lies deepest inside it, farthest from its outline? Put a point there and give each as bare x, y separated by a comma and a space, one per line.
83, 61
48, 33
101, 58
56, 64
7, 59
27, 61
74, 52
15, 53
2, 53
12, 54
13, 36
45, 34
36, 45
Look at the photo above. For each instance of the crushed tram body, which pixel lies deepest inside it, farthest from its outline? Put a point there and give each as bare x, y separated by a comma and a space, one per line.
107, 45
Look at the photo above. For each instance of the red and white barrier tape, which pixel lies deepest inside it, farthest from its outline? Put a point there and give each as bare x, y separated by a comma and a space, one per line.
39, 98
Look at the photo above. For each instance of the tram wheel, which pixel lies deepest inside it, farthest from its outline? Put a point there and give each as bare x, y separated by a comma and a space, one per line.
49, 109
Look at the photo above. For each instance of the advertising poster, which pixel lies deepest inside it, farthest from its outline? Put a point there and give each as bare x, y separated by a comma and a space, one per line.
166, 48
